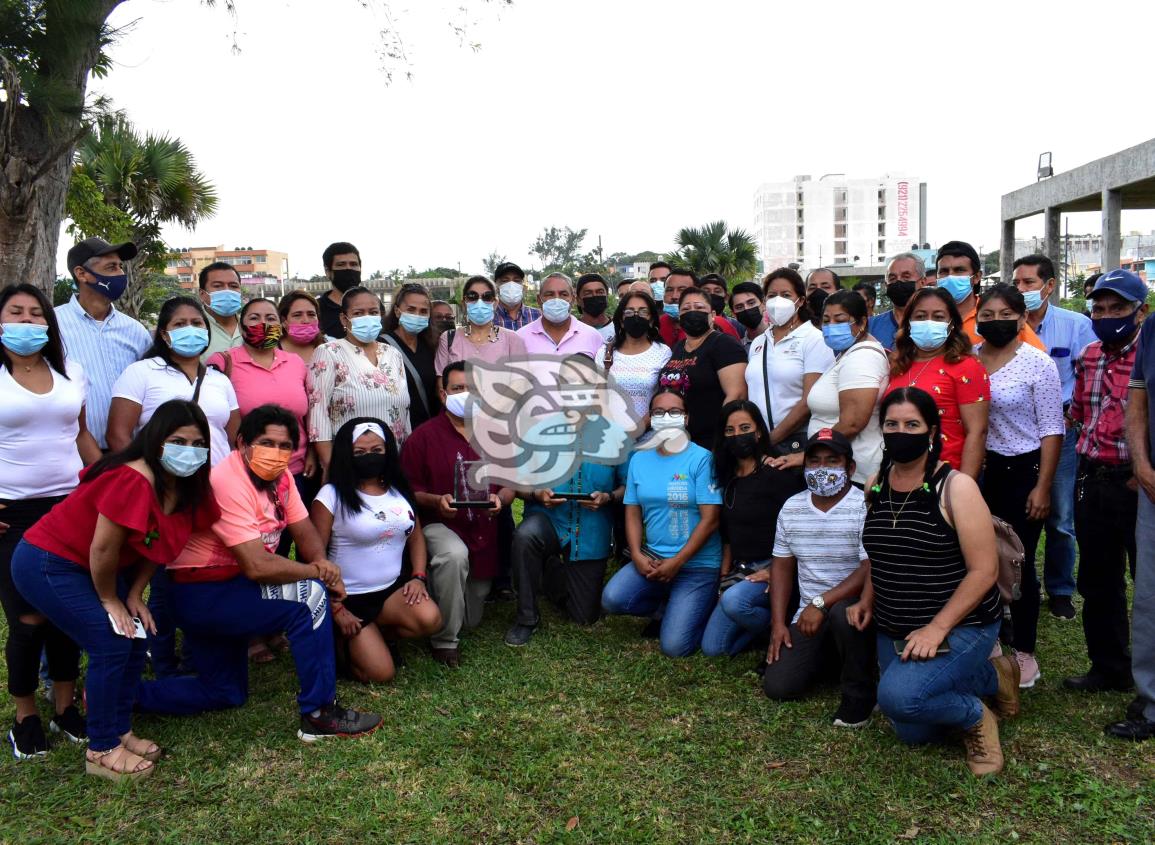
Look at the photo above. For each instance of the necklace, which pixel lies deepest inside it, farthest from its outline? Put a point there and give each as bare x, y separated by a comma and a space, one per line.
923, 370
905, 502
493, 330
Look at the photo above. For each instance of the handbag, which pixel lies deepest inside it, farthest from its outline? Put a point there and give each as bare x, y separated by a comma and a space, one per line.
740, 571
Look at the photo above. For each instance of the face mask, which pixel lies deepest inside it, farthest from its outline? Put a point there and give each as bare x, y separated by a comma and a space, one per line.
511, 293
479, 313
189, 341
225, 303
110, 287
555, 310
1114, 330
413, 324
957, 286
780, 310
998, 333
595, 306
751, 318
658, 290
838, 336
183, 461
445, 325
717, 302
1034, 299
694, 323
304, 332
369, 465
928, 334
24, 338
366, 328
742, 445
268, 463
670, 309
636, 326
899, 293
667, 422
345, 279
262, 335
455, 403
904, 447
825, 481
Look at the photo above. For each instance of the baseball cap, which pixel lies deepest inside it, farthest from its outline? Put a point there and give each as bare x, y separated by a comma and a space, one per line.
508, 267
833, 440
1123, 282
92, 247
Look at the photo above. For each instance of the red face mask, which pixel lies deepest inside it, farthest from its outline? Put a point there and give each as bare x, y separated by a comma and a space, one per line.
262, 335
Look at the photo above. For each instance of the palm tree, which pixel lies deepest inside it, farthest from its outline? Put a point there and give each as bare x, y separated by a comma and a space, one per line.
732, 254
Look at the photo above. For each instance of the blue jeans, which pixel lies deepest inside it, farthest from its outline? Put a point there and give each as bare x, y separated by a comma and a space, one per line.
689, 599
162, 644
743, 612
63, 591
926, 698
1059, 555
218, 619
1143, 608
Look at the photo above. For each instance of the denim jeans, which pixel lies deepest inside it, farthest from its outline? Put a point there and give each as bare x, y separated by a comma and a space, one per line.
1059, 557
743, 612
1143, 608
63, 591
926, 698
162, 644
689, 599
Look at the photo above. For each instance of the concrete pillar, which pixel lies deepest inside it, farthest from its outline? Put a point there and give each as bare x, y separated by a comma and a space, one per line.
1007, 251
1112, 245
1051, 247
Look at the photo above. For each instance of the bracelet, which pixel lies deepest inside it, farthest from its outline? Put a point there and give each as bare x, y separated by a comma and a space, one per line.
420, 576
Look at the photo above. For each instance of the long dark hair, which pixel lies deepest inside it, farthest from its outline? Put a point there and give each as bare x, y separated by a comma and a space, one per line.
343, 477
53, 351
653, 333
799, 286
160, 348
958, 343
725, 464
928, 410
191, 492
391, 321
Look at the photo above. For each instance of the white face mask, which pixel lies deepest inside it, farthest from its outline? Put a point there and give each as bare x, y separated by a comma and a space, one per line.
667, 422
511, 293
780, 310
455, 403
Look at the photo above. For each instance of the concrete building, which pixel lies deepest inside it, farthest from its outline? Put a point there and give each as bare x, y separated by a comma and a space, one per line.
253, 265
1083, 254
837, 220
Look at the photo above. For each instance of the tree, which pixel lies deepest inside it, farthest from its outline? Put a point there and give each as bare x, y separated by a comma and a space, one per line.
560, 249
492, 261
991, 263
438, 273
732, 253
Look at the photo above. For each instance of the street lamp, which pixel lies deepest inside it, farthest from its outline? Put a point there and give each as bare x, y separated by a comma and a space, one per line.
1045, 169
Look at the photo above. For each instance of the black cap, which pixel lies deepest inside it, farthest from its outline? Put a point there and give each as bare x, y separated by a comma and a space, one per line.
833, 440
508, 267
92, 247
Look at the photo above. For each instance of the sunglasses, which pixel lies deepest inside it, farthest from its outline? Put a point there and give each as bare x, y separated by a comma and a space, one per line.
473, 296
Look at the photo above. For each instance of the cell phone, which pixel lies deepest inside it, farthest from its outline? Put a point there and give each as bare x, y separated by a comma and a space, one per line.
138, 631
649, 552
474, 505
900, 647
574, 497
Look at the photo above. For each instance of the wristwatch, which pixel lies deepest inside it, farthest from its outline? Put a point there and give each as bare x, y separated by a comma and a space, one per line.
819, 603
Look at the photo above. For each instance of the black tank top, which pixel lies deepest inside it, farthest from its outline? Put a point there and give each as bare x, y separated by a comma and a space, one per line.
916, 563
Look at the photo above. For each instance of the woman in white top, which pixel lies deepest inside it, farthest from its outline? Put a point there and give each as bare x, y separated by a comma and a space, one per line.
172, 369
636, 355
1024, 439
44, 443
845, 398
357, 376
786, 361
366, 517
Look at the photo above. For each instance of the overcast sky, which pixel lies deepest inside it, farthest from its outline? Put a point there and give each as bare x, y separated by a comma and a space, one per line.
631, 118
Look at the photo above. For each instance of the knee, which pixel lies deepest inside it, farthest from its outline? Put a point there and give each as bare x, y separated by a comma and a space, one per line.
897, 698
779, 685
429, 619
34, 620
678, 643
380, 673
613, 603
713, 648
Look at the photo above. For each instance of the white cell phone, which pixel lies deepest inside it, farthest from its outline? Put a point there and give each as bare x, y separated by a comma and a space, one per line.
138, 631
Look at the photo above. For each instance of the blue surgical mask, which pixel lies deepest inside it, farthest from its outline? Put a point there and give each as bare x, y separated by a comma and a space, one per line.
1034, 299
479, 313
671, 309
110, 287
658, 289
413, 323
225, 303
928, 334
838, 336
555, 310
959, 287
24, 338
189, 341
365, 328
183, 461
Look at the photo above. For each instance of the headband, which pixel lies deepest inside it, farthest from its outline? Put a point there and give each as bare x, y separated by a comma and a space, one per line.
362, 428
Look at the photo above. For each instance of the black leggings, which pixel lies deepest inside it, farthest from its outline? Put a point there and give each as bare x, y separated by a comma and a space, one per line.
25, 641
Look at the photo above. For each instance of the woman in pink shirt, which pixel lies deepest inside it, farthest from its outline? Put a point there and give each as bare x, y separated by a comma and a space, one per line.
481, 339
300, 325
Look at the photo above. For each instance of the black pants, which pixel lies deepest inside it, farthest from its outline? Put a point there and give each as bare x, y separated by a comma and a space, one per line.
25, 642
799, 666
1007, 481
1105, 515
539, 564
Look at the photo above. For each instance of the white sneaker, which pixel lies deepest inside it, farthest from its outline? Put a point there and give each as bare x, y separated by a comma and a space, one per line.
1029, 672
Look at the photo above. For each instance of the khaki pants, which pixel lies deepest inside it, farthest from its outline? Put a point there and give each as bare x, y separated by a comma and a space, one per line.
460, 598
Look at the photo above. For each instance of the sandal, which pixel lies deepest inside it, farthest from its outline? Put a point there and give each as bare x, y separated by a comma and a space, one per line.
145, 748
259, 653
119, 767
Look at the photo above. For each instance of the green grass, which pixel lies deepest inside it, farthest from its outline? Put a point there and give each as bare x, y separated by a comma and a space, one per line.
595, 725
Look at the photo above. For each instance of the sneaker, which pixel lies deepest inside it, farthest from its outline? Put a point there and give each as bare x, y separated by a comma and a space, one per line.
519, 635
335, 720
984, 753
853, 712
1061, 607
71, 724
28, 739
1029, 673
1007, 698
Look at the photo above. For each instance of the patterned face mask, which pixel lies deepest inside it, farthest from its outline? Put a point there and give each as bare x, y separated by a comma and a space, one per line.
825, 481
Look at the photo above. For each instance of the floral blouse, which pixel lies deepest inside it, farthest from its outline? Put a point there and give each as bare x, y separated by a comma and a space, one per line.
347, 385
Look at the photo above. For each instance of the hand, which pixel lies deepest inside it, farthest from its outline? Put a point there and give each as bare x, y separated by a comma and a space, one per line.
762, 576
120, 615
596, 501
810, 621
494, 504
444, 507
667, 570
136, 607
643, 562
414, 591
791, 461
779, 636
1145, 476
546, 499
312, 465
348, 624
328, 573
859, 615
923, 643
1039, 503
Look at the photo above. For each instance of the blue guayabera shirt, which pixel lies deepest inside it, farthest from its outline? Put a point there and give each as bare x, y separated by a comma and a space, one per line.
588, 533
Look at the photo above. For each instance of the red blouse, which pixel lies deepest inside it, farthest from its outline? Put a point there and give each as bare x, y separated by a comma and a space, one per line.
951, 386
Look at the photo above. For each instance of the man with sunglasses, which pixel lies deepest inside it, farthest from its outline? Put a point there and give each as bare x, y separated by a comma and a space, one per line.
512, 313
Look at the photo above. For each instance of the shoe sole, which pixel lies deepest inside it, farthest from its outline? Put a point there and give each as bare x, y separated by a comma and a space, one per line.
308, 737
516, 645
838, 723
1032, 682
92, 768
20, 755
79, 740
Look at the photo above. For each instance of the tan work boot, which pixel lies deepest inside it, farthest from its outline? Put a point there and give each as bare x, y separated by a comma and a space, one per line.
1007, 698
984, 754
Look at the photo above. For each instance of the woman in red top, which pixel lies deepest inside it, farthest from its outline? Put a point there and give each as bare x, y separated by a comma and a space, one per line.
85, 564
932, 351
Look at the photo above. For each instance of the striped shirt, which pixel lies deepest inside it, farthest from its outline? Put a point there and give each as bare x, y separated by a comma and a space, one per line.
827, 545
1099, 401
916, 563
104, 349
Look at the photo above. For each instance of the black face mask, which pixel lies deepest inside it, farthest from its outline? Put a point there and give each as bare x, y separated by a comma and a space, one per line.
445, 325
742, 445
750, 318
636, 326
694, 323
899, 293
718, 303
998, 332
369, 465
595, 306
345, 279
904, 447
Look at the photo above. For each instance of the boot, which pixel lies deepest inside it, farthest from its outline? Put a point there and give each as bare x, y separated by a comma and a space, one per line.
984, 754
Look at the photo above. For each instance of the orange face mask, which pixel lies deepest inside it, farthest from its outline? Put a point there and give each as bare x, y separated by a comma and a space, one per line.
268, 463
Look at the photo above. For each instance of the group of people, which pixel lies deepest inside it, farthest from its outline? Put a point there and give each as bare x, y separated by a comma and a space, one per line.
808, 476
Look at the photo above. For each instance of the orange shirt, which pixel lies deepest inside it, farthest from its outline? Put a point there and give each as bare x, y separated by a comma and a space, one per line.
1027, 335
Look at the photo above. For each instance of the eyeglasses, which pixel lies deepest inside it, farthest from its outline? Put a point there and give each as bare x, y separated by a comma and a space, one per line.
637, 312
673, 414
473, 296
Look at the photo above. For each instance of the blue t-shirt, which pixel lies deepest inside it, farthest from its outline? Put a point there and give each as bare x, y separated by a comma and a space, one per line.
884, 327
1142, 378
669, 489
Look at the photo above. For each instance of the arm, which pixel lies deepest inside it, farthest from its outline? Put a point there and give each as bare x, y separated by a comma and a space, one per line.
733, 381
974, 419
123, 415
103, 563
232, 427
85, 442
322, 521
323, 384
415, 589
1039, 499
782, 574
642, 562
1137, 428
710, 515
727, 559
855, 408
861, 613
811, 620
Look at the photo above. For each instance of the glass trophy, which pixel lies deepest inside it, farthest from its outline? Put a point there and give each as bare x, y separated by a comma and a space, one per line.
466, 492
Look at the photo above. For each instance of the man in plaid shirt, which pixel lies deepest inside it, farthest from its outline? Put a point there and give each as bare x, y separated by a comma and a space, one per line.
512, 313
1106, 501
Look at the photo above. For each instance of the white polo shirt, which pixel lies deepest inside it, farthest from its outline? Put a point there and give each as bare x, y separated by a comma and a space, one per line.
800, 352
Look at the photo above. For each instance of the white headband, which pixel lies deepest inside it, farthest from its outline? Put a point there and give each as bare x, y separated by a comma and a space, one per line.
362, 428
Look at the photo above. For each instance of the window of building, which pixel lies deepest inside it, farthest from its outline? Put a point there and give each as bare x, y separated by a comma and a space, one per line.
840, 213
840, 196
840, 231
